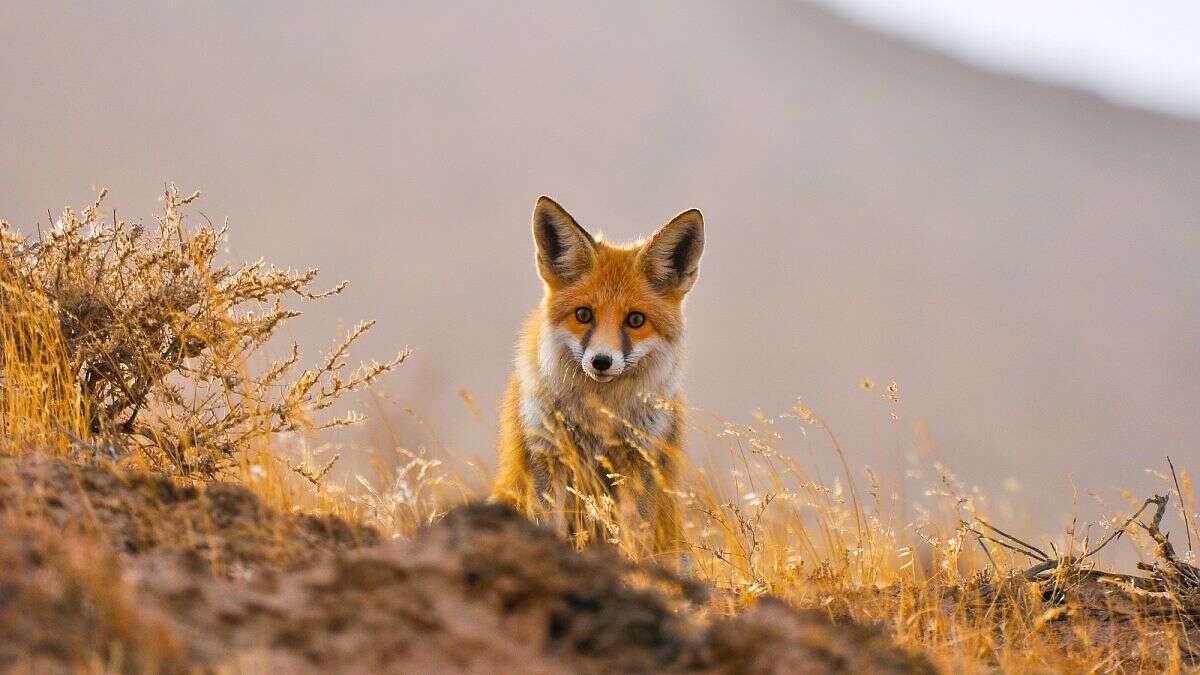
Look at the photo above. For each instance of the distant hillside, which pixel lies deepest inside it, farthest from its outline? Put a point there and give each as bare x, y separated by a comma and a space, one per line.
1020, 259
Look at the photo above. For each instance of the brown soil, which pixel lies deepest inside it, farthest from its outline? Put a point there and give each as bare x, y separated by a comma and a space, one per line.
157, 577
223, 524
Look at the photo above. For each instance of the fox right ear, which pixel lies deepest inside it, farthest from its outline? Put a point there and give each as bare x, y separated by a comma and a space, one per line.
564, 249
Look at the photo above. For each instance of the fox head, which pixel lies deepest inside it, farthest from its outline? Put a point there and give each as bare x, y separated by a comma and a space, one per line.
613, 311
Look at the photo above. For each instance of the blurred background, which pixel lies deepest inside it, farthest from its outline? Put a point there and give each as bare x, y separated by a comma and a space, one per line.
995, 205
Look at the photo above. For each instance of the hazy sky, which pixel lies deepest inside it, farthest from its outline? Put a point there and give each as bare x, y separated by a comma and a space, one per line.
1144, 53
1021, 258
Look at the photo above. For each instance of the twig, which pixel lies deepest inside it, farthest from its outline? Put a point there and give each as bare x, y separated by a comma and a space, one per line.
1120, 530
1177, 570
1008, 546
1171, 576
1187, 525
983, 545
1033, 572
1032, 552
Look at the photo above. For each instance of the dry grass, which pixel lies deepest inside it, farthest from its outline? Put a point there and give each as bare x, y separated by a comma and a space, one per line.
148, 340
40, 406
946, 582
134, 343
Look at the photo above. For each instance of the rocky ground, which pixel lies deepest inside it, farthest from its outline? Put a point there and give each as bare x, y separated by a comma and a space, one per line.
105, 570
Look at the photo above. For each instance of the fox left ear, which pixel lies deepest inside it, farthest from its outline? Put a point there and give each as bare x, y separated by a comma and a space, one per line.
671, 258
565, 251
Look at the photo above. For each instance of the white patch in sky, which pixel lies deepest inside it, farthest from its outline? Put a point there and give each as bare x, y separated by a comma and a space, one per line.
1144, 54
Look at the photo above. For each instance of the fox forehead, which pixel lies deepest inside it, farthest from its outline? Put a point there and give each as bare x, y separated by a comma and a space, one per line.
614, 286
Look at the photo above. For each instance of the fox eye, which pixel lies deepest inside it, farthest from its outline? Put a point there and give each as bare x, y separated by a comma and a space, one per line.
635, 319
583, 315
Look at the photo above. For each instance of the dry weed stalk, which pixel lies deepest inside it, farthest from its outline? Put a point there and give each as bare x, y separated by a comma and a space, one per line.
156, 336
1169, 575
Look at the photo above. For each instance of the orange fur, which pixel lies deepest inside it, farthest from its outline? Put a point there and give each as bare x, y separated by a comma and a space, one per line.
570, 429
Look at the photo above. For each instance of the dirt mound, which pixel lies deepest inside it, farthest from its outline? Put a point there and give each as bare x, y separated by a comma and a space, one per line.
484, 590
774, 638
223, 524
487, 591
65, 606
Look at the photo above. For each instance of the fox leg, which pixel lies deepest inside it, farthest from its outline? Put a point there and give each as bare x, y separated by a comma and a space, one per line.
524, 479
545, 492
513, 484
665, 520
659, 506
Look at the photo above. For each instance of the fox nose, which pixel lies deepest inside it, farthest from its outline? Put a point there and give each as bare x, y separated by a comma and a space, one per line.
601, 362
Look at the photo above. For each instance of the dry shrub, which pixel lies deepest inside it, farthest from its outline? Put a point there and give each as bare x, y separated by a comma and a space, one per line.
148, 337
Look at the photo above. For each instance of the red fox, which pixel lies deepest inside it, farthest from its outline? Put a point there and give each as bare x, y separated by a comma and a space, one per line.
593, 412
